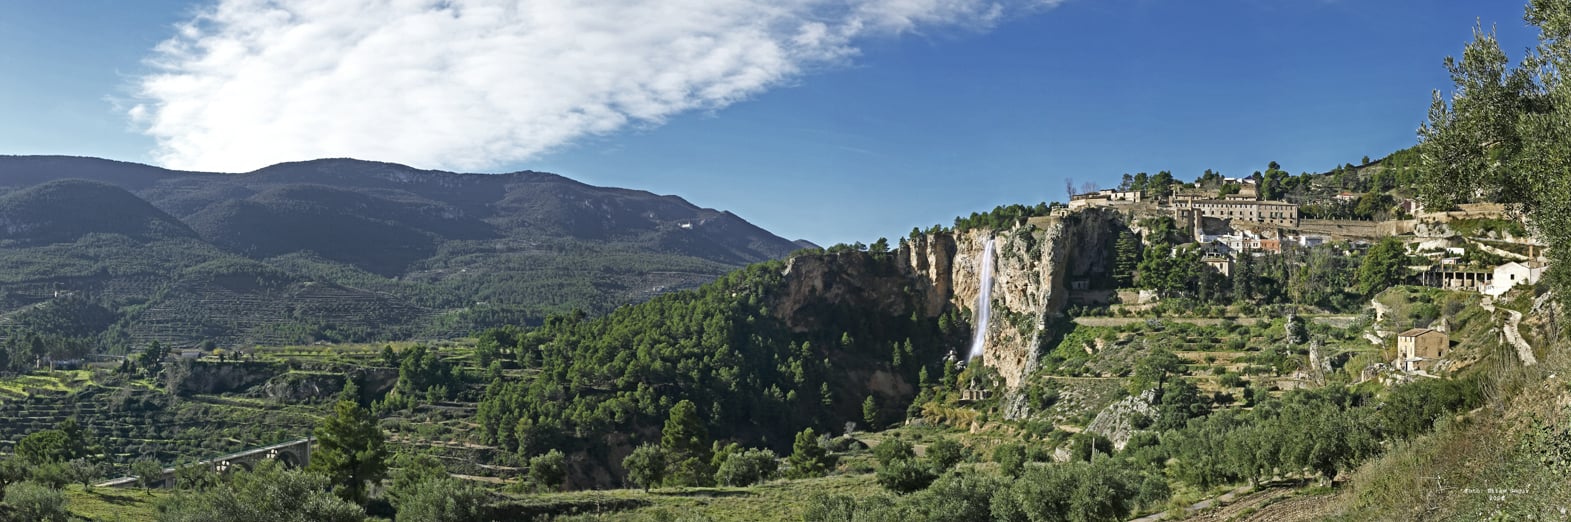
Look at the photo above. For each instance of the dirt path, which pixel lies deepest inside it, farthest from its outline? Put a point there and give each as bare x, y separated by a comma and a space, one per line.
1499, 251
1381, 310
1524, 351
1275, 508
1268, 505
1375, 340
1198, 506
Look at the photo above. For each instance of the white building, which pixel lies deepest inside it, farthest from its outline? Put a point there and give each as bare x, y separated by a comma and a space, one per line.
1511, 274
1103, 197
1308, 240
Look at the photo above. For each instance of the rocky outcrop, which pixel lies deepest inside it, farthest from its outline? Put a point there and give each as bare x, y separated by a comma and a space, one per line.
325, 384
1121, 420
1035, 269
931, 259
816, 284
302, 387
202, 377
288, 383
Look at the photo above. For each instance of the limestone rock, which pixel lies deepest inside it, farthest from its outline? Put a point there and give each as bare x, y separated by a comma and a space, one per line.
1035, 268
1116, 422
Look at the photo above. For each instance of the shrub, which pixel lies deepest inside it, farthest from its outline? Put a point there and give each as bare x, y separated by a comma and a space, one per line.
444, 500
267, 494
1011, 458
149, 474
412, 470
945, 453
55, 475
905, 475
892, 450
748, 467
957, 497
548, 471
1084, 445
646, 466
36, 502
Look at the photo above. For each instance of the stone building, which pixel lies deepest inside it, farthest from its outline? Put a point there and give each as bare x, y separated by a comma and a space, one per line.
1222, 264
1420, 348
1266, 212
1103, 197
1451, 277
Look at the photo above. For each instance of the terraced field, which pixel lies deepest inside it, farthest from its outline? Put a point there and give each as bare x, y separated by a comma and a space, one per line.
282, 392
130, 421
187, 315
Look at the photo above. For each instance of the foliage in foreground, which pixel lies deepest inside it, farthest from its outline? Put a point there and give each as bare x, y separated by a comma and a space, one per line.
1501, 135
267, 494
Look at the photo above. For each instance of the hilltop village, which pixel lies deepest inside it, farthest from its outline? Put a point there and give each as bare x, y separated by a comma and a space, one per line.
1472, 248
1476, 247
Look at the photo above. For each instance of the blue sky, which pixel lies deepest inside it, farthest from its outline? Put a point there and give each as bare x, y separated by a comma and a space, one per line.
865, 137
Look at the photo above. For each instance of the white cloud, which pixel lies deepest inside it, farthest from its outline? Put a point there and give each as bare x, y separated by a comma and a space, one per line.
471, 84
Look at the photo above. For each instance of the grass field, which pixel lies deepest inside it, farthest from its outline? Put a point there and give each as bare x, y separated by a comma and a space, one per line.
112, 505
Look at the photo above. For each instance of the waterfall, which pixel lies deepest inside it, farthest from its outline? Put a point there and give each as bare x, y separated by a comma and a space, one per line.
984, 302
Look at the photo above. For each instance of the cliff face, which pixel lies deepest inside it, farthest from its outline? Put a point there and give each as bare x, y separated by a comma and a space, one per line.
818, 283
1035, 266
1035, 270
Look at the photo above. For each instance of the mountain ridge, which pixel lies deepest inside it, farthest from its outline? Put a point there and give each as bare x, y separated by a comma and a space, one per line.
470, 250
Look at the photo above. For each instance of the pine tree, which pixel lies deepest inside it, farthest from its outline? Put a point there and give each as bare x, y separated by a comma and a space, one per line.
870, 412
808, 459
1244, 278
1126, 259
686, 444
350, 451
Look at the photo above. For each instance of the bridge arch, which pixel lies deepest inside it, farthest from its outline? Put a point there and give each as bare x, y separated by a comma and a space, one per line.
292, 454
289, 459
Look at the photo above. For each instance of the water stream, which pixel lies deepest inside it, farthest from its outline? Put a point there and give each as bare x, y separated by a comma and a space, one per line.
984, 302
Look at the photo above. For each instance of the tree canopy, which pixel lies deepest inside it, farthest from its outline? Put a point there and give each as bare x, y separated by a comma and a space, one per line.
1500, 135
350, 450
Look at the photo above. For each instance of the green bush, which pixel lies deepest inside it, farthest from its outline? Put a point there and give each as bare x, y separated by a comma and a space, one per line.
748, 467
945, 453
34, 502
548, 471
267, 494
892, 450
1011, 458
906, 475
444, 500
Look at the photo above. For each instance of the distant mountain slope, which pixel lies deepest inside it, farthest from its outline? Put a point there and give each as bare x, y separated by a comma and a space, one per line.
448, 252
63, 211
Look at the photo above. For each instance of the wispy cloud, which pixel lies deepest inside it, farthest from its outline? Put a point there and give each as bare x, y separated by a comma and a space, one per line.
471, 84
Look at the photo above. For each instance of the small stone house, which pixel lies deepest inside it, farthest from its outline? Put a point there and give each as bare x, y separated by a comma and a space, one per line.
1221, 264
1420, 348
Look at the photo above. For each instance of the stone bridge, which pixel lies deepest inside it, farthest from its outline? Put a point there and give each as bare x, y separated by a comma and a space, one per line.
292, 454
